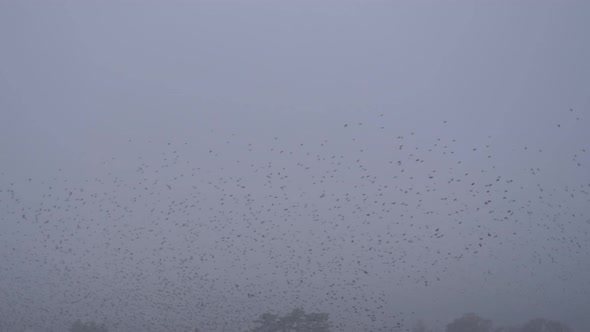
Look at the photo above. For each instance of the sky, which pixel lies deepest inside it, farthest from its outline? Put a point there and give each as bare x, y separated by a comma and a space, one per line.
167, 165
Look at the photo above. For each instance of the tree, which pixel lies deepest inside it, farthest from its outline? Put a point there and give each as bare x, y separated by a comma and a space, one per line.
507, 329
420, 327
79, 326
470, 323
296, 321
544, 325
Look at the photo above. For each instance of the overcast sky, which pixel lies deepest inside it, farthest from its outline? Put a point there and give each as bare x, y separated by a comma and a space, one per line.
172, 164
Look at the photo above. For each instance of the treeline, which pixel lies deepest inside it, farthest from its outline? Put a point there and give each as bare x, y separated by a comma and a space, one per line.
300, 321
474, 323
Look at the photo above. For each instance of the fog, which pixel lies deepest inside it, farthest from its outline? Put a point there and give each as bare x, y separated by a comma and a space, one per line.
172, 165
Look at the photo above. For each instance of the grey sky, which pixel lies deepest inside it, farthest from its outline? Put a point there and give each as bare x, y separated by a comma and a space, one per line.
188, 163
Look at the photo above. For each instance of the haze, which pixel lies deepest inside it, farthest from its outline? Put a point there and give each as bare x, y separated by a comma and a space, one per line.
167, 165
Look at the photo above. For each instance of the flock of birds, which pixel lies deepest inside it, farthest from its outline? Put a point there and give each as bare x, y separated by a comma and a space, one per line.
191, 234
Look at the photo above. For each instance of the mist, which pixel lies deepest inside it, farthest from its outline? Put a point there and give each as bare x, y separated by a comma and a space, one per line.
166, 166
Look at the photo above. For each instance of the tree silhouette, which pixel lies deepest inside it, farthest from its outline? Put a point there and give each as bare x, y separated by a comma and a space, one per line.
507, 329
296, 321
544, 325
470, 323
420, 327
79, 326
